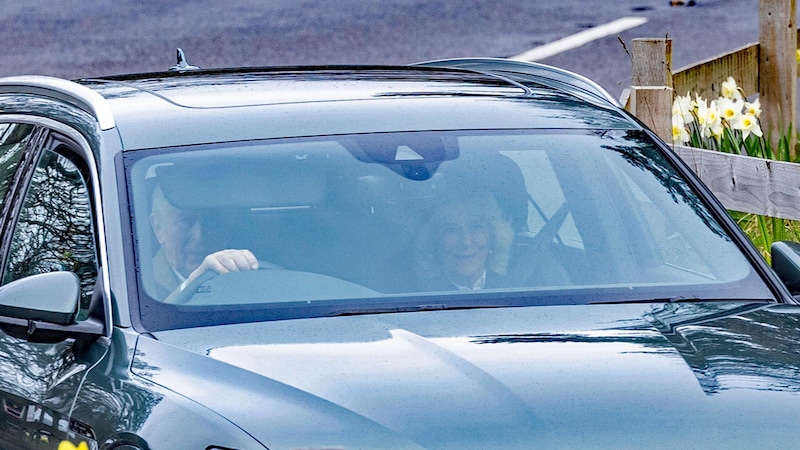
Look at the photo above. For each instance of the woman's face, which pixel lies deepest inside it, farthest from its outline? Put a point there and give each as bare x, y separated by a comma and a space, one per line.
464, 243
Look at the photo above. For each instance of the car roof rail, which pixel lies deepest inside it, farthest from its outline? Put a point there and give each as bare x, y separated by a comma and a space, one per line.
523, 71
63, 90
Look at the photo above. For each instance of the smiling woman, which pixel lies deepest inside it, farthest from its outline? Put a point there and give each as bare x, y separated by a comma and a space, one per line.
466, 243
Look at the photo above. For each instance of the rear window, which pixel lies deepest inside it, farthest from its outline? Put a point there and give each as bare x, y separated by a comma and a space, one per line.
408, 221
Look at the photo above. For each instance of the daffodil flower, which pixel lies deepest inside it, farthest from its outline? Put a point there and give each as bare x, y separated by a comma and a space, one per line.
682, 106
748, 123
730, 89
700, 110
729, 110
680, 135
713, 122
753, 108
697, 101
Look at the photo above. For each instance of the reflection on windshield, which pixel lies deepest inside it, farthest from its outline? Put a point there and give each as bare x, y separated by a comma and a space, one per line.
354, 222
675, 184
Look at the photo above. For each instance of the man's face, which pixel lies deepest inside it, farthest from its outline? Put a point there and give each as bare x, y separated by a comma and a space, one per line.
180, 234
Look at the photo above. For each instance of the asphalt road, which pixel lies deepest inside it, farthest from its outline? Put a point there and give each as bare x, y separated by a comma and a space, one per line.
84, 38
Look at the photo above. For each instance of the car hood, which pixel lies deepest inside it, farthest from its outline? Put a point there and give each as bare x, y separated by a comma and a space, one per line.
643, 375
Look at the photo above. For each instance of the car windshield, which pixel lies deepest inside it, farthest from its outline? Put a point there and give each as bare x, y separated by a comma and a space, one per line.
359, 224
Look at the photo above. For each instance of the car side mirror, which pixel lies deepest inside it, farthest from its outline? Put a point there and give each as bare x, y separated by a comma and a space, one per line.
49, 297
44, 308
786, 263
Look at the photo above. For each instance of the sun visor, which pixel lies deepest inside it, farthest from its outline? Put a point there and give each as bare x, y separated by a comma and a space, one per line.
240, 185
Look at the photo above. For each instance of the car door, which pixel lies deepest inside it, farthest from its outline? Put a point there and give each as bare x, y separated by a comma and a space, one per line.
47, 226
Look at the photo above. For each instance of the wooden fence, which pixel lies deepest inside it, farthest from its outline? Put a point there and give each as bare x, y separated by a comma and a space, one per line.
742, 183
752, 185
768, 68
745, 184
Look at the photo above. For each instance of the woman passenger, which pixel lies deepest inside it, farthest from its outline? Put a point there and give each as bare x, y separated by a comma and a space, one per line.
466, 244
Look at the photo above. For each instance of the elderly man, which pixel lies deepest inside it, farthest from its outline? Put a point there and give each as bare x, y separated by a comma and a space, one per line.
183, 256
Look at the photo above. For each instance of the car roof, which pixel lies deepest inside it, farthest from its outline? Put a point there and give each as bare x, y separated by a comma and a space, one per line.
196, 106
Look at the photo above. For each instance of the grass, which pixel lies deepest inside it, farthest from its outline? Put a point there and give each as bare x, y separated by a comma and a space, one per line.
763, 230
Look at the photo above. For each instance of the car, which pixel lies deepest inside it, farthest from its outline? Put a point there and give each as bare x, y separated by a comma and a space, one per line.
463, 253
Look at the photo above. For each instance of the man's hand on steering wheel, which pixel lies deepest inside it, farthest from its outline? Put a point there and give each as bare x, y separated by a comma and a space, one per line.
224, 261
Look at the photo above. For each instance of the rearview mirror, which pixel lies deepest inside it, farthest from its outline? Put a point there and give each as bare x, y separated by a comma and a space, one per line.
48, 297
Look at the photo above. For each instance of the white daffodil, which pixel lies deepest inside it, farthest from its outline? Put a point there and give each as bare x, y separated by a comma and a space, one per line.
700, 110
729, 110
713, 122
748, 124
683, 106
753, 108
680, 135
697, 101
730, 90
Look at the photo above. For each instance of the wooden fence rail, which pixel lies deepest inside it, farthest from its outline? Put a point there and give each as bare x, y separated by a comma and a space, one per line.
747, 184
704, 78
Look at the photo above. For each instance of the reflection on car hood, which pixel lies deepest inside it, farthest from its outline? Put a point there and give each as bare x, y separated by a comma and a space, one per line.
645, 375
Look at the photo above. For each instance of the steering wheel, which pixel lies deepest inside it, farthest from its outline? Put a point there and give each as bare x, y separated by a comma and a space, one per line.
182, 296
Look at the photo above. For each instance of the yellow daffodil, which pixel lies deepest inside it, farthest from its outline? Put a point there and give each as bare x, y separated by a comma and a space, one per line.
748, 124
753, 108
797, 55
730, 89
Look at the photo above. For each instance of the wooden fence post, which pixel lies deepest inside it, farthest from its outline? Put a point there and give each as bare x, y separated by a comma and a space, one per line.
777, 69
652, 62
651, 89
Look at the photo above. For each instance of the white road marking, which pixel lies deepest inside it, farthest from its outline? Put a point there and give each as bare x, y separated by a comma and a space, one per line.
578, 39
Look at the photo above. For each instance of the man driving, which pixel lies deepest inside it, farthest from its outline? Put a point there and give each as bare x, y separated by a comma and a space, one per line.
183, 254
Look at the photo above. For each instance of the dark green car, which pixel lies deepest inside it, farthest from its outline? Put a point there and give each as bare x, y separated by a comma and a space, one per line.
457, 254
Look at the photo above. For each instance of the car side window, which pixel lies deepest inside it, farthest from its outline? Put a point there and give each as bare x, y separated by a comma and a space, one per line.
14, 138
54, 229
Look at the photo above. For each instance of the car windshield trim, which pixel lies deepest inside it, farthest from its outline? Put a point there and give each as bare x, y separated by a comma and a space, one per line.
200, 316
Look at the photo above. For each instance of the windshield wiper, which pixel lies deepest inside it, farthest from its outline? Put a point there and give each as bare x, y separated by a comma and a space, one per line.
682, 299
356, 311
